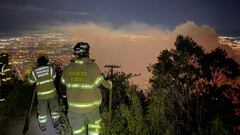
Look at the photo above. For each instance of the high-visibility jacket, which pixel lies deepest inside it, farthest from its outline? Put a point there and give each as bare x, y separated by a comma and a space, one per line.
6, 73
82, 78
44, 77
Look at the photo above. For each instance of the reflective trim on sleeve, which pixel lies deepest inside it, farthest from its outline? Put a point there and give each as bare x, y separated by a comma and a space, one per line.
51, 71
84, 105
54, 76
43, 82
7, 79
98, 80
78, 131
31, 81
2, 73
7, 70
46, 92
3, 68
34, 76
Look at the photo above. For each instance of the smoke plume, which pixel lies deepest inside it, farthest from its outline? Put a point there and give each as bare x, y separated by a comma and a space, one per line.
136, 45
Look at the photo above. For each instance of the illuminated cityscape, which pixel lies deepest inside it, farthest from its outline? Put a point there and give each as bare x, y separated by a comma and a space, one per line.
25, 48
233, 42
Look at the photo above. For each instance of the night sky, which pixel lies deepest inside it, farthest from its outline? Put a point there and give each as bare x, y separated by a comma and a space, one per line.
21, 15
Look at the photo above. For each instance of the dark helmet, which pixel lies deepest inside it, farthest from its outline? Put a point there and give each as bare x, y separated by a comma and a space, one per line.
4, 58
42, 60
4, 55
81, 49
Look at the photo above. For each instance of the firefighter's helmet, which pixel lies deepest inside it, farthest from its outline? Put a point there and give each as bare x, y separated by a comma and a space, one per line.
4, 58
42, 60
81, 49
3, 55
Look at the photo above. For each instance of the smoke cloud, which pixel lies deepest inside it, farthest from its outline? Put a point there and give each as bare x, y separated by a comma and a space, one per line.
136, 45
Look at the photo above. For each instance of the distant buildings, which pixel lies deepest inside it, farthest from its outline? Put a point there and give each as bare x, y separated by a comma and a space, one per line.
233, 42
25, 48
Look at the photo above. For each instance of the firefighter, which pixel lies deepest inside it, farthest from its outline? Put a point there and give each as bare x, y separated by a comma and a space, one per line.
43, 76
5, 75
82, 79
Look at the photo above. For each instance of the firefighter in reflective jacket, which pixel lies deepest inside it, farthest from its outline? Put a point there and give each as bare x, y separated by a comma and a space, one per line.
5, 75
44, 76
82, 78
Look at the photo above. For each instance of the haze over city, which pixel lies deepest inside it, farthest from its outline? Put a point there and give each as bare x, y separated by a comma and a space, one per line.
139, 29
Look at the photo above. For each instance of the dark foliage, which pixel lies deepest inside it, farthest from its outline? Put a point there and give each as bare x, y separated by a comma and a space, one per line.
196, 84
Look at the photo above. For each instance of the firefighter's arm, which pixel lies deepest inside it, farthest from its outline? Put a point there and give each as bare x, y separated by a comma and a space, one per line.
7, 72
53, 73
31, 78
103, 82
62, 86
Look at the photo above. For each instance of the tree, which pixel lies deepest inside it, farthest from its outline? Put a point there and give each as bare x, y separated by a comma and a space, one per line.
221, 79
134, 113
189, 77
177, 72
120, 122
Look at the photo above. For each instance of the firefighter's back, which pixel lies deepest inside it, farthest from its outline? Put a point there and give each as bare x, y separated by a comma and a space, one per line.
44, 76
80, 78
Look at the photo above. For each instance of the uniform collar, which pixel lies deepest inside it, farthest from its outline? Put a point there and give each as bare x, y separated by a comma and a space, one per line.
81, 61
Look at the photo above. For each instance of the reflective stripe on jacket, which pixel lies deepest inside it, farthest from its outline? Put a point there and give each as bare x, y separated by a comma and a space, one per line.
6, 73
